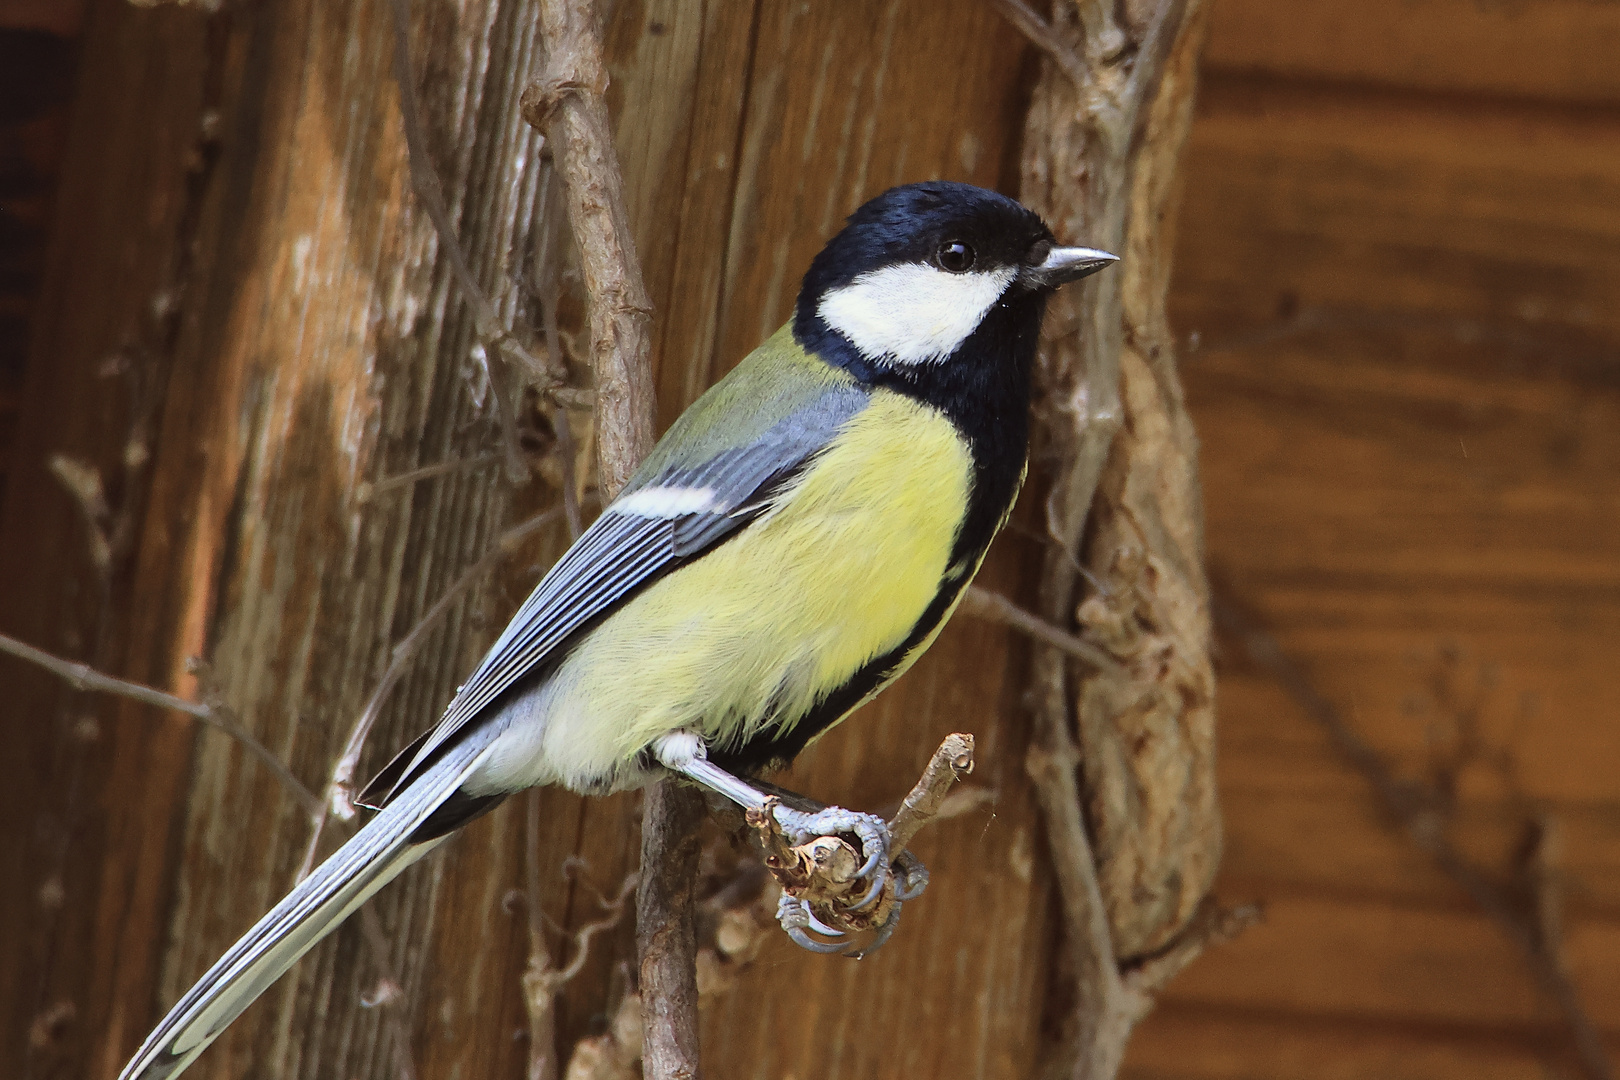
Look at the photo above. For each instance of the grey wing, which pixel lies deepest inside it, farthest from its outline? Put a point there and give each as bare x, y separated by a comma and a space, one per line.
626, 550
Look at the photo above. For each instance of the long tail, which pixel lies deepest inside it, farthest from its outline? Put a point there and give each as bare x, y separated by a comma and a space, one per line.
374, 857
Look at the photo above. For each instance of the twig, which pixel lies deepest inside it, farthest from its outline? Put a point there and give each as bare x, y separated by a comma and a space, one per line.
1410, 808
1044, 37
84, 677
1213, 925
338, 796
984, 604
401, 481
952, 761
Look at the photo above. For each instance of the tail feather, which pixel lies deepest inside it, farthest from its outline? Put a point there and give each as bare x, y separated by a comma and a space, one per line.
316, 906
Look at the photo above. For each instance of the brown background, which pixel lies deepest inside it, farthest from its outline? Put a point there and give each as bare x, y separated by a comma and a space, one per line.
1399, 259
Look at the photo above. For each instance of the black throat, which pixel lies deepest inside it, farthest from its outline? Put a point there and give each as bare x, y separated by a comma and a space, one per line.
983, 389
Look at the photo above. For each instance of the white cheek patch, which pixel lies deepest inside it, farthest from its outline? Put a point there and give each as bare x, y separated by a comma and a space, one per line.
913, 313
665, 502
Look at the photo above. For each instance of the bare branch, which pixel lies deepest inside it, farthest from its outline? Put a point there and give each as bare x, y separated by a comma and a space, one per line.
1411, 807
666, 930
84, 677
952, 761
1214, 925
567, 104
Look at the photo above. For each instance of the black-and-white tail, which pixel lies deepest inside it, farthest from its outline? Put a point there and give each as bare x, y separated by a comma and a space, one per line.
373, 858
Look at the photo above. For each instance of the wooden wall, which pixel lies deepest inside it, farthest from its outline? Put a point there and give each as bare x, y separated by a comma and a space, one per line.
1400, 253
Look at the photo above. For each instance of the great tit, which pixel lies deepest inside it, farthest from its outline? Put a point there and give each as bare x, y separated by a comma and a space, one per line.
790, 547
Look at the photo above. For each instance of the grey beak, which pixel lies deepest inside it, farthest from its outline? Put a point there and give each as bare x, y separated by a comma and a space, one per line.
1064, 265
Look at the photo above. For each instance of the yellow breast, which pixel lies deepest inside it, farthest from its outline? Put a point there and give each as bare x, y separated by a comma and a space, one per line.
835, 574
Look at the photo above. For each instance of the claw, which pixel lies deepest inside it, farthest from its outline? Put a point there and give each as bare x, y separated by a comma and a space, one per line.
884, 933
805, 941
912, 877
872, 894
794, 915
820, 927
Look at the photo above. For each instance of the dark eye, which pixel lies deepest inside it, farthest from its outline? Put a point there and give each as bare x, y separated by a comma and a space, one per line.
955, 256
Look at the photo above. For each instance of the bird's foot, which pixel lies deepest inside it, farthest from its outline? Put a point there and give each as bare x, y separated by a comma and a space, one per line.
873, 832
820, 907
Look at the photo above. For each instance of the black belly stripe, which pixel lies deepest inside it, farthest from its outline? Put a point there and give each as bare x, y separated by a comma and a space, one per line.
774, 748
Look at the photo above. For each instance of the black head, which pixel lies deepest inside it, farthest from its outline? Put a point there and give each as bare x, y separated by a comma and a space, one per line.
917, 270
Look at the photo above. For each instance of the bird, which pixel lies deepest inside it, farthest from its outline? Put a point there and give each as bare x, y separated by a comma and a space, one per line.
789, 548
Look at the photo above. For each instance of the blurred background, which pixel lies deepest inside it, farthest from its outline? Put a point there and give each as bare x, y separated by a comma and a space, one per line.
1397, 289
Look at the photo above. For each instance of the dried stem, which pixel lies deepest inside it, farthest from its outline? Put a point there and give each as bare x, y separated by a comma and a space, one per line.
492, 331
981, 603
1410, 806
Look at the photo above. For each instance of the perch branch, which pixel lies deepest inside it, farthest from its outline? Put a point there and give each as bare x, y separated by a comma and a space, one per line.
1411, 807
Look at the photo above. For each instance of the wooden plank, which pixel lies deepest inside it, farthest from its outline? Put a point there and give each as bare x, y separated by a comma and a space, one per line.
1340, 497
1394, 964
1321, 196
1191, 1043
1331, 842
1561, 50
